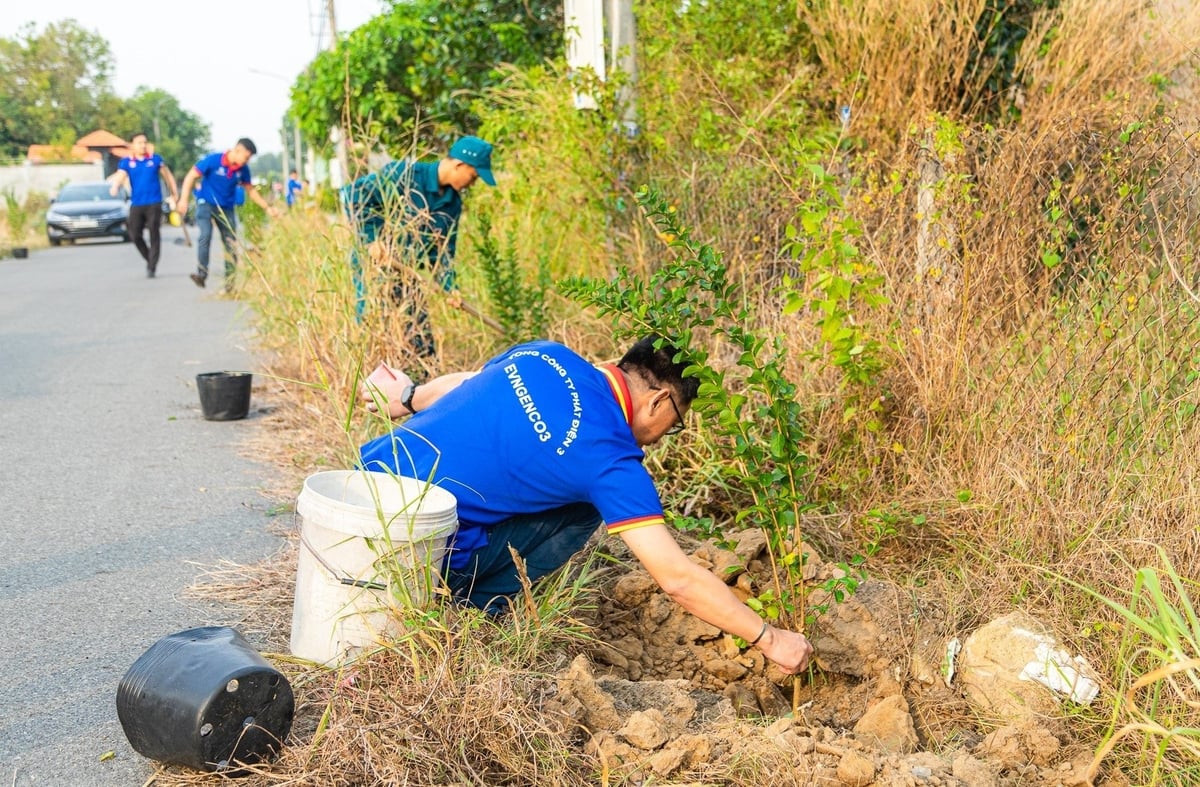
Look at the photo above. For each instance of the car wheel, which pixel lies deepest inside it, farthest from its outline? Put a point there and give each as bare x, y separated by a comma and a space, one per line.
54, 241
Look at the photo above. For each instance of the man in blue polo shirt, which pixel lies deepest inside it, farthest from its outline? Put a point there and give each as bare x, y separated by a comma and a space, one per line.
143, 170
294, 187
220, 175
422, 203
539, 448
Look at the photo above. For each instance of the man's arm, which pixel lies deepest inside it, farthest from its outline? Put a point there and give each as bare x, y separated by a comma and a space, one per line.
258, 199
378, 391
165, 173
703, 594
116, 181
185, 191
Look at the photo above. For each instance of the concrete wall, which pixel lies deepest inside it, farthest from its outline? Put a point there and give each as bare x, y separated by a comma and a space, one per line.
46, 178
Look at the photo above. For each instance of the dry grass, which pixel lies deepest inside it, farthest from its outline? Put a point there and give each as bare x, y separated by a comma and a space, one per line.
439, 706
1040, 418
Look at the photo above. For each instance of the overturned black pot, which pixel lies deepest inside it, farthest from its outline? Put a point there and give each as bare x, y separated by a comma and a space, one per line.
205, 699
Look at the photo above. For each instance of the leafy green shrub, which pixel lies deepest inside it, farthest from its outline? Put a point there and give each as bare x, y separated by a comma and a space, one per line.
16, 215
519, 307
691, 301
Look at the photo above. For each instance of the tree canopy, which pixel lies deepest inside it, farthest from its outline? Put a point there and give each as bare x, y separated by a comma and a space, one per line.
421, 62
56, 85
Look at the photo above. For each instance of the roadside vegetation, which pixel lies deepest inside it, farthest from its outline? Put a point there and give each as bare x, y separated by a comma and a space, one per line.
940, 259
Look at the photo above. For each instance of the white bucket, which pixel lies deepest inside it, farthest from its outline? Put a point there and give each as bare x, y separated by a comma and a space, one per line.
369, 542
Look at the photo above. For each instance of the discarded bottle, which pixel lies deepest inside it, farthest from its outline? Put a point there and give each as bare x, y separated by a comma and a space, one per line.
205, 699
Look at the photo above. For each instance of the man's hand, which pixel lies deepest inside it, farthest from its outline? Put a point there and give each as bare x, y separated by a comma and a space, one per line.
383, 389
112, 190
455, 299
273, 212
181, 206
789, 650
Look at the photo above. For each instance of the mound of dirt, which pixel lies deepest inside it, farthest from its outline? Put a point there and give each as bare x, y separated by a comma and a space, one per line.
666, 698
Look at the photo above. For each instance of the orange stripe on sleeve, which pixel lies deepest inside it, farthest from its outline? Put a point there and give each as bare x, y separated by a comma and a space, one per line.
633, 524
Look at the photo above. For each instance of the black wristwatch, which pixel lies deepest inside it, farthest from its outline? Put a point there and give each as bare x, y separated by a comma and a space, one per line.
407, 397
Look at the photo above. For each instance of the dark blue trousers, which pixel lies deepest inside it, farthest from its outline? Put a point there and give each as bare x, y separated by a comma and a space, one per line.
545, 541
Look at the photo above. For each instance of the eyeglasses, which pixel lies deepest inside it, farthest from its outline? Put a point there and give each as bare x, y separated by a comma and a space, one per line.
679, 425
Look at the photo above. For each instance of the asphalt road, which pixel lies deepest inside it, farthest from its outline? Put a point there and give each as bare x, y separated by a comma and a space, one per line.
114, 492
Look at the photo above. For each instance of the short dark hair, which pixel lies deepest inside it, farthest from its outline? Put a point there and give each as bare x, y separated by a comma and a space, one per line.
659, 367
139, 134
248, 144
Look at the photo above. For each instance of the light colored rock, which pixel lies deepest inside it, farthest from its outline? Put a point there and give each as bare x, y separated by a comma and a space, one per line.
779, 727
726, 670
667, 761
592, 707
749, 544
1003, 747
1042, 744
973, 772
646, 729
812, 561
888, 725
855, 770
699, 748
863, 634
1011, 668
634, 589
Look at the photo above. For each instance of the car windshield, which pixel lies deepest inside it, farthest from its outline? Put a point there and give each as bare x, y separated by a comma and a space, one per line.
85, 192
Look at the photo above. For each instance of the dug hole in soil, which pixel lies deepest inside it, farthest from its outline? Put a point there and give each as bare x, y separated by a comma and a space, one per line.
664, 698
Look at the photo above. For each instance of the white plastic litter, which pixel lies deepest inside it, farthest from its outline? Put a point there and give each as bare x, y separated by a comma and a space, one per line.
952, 649
1059, 671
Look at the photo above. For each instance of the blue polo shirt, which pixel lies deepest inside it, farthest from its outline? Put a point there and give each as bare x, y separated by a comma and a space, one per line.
293, 188
221, 180
538, 428
144, 185
408, 195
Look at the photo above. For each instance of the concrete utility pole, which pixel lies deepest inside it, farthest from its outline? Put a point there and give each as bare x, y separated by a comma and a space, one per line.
586, 49
623, 33
283, 165
338, 175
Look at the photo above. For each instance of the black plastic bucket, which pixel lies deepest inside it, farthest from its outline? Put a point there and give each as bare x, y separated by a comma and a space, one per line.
205, 699
224, 396
20, 253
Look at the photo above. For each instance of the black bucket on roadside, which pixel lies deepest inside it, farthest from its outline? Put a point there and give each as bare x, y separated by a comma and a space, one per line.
205, 699
20, 253
224, 396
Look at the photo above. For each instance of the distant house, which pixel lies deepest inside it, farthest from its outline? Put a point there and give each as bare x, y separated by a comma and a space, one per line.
110, 147
99, 146
59, 154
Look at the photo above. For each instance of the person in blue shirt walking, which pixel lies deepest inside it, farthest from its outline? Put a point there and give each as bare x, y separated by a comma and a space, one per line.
220, 175
540, 448
422, 203
294, 187
143, 170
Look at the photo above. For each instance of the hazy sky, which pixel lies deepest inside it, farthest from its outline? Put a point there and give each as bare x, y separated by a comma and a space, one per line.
209, 54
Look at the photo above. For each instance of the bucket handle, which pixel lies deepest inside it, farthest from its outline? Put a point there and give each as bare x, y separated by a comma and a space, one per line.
358, 583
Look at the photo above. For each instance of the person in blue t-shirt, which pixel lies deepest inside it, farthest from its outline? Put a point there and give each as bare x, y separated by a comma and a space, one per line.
220, 176
143, 170
295, 187
540, 448
421, 203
